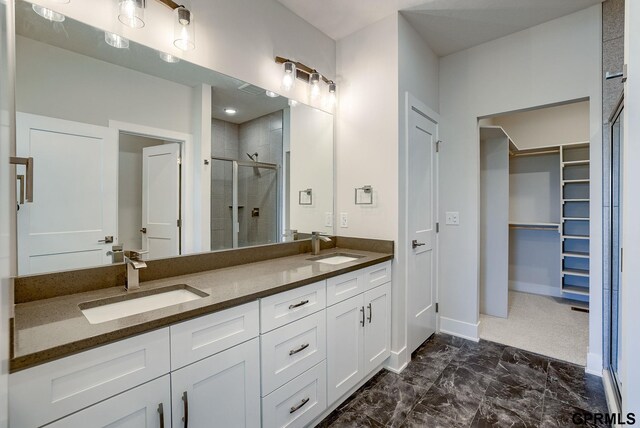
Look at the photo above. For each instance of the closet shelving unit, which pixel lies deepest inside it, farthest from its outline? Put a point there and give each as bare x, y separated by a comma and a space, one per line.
575, 180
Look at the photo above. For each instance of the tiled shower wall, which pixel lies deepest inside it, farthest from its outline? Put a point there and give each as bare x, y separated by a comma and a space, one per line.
612, 61
257, 188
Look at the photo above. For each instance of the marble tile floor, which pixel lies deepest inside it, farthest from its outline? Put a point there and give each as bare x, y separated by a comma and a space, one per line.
452, 382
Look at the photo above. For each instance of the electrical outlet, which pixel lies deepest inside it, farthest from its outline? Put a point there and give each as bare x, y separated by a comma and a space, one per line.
344, 220
453, 218
328, 219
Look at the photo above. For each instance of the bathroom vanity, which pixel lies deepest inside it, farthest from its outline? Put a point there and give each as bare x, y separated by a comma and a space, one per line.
273, 343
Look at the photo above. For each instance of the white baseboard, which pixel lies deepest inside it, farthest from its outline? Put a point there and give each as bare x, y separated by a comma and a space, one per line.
612, 402
397, 361
594, 364
532, 288
461, 329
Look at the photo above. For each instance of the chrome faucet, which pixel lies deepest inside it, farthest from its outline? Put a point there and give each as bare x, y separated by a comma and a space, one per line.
134, 264
316, 237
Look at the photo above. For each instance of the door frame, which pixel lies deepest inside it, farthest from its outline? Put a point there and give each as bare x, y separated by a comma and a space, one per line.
411, 103
187, 230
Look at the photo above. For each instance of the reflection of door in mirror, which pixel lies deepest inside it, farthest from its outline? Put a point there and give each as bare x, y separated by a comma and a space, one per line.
73, 216
149, 195
245, 179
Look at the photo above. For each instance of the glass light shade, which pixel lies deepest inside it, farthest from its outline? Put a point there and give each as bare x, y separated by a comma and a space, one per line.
116, 41
168, 58
288, 76
131, 13
331, 98
314, 81
184, 37
48, 14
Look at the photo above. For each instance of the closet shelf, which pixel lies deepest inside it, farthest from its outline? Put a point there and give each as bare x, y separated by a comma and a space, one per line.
583, 180
573, 289
580, 162
576, 200
575, 219
584, 238
575, 272
576, 255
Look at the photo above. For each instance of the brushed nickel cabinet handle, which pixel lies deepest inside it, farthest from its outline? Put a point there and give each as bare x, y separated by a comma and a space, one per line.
299, 406
185, 418
297, 305
362, 310
370, 313
300, 349
161, 412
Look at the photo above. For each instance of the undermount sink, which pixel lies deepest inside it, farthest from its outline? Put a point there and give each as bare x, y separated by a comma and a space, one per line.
336, 258
113, 308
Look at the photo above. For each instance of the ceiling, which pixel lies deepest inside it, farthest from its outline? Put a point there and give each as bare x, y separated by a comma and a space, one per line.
447, 26
250, 101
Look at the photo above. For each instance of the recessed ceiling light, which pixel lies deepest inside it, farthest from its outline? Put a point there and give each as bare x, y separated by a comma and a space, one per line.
272, 94
168, 57
230, 111
116, 41
293, 103
48, 14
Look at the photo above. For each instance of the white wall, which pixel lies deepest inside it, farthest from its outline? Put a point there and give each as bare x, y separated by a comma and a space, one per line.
553, 62
239, 38
59, 83
311, 145
630, 290
547, 127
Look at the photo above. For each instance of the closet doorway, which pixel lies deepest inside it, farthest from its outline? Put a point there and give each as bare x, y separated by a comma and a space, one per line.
535, 230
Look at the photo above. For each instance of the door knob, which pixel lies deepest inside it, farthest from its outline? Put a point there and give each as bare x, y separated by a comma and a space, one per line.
415, 244
107, 240
143, 230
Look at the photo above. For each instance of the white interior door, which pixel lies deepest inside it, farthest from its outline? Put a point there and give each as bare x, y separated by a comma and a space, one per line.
161, 200
421, 206
75, 194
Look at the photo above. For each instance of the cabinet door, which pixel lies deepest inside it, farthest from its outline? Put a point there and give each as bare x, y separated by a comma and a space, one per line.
377, 328
147, 406
345, 335
222, 390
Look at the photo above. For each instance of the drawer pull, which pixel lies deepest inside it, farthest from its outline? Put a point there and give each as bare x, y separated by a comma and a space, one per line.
161, 412
370, 313
300, 349
362, 311
299, 406
297, 305
185, 418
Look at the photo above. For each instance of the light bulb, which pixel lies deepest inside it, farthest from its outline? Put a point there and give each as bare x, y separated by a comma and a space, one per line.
271, 94
288, 76
230, 111
48, 14
116, 41
184, 37
131, 13
331, 98
293, 103
314, 81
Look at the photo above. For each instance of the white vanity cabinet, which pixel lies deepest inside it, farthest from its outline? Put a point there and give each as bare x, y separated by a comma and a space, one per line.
358, 330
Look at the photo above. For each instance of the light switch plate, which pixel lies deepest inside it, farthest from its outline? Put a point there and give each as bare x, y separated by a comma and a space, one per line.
453, 218
328, 219
344, 220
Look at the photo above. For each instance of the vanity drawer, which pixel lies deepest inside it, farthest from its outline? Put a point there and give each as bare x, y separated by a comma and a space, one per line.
201, 337
345, 286
139, 407
283, 308
376, 275
290, 350
50, 391
299, 402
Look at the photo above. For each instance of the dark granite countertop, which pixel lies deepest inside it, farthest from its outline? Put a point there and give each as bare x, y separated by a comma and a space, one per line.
48, 329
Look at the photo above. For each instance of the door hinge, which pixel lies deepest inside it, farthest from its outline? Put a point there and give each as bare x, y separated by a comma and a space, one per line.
179, 161
437, 309
179, 223
621, 259
437, 227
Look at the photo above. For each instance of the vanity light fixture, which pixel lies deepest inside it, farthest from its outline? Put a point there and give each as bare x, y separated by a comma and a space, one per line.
331, 98
271, 94
48, 14
289, 73
314, 81
230, 111
131, 13
116, 41
171, 59
183, 30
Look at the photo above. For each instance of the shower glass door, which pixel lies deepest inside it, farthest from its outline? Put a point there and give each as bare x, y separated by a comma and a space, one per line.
244, 203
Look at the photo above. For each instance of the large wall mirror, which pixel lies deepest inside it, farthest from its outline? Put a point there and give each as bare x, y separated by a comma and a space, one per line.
117, 130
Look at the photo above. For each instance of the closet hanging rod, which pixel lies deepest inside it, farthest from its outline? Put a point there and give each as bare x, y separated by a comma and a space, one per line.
536, 152
549, 229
